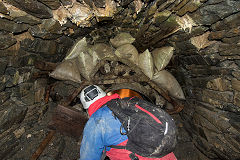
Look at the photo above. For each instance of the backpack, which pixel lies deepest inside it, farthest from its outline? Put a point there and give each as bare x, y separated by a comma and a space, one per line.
151, 131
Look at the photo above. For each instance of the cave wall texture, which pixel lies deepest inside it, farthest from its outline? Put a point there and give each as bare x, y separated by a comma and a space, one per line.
205, 35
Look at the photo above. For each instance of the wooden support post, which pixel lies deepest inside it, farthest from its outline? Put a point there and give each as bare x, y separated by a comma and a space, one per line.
43, 145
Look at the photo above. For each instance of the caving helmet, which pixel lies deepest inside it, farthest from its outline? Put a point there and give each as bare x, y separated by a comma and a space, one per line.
90, 94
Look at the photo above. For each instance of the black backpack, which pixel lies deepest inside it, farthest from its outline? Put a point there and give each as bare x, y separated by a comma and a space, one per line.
151, 131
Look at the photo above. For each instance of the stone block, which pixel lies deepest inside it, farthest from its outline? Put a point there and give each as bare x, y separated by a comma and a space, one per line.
3, 9
53, 4
214, 117
29, 99
231, 40
20, 16
217, 35
8, 145
223, 148
11, 26
225, 96
39, 95
32, 7
207, 70
237, 62
2, 86
49, 29
3, 66
231, 21
204, 146
229, 49
236, 84
28, 60
236, 74
204, 123
6, 41
191, 6
47, 47
219, 84
237, 99
4, 96
25, 88
12, 113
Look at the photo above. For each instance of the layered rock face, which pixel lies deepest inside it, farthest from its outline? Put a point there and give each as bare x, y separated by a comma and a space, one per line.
203, 37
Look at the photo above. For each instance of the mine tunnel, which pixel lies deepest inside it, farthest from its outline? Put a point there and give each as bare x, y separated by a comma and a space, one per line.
181, 55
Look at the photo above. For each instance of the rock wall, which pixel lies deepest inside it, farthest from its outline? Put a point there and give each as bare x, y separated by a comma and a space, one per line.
205, 35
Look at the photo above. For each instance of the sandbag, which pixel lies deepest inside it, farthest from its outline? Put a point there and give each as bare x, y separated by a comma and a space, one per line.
80, 46
146, 63
162, 56
127, 52
103, 51
166, 81
67, 70
121, 39
88, 64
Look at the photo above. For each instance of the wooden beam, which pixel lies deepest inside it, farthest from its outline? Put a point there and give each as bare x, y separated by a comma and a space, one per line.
43, 145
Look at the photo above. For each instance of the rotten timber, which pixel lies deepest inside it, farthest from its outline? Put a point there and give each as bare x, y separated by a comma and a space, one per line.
43, 145
68, 121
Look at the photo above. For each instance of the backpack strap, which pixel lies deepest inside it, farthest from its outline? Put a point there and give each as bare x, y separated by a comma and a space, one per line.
103, 154
132, 156
116, 105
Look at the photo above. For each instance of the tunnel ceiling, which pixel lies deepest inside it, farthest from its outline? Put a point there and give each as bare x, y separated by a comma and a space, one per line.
203, 37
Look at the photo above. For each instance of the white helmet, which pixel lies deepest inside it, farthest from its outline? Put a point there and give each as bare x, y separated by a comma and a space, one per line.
90, 94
